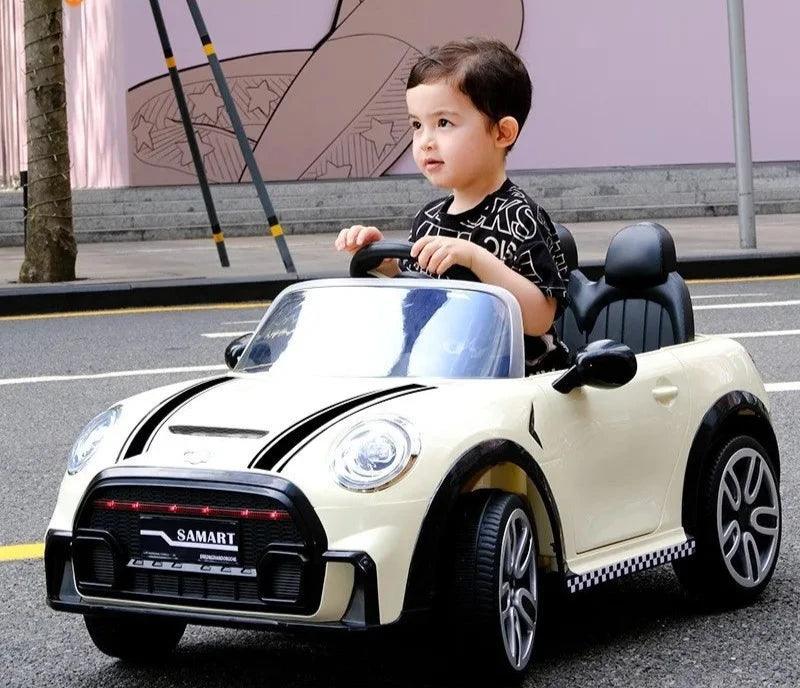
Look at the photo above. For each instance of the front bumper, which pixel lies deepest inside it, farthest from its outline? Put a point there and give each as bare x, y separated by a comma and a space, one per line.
96, 568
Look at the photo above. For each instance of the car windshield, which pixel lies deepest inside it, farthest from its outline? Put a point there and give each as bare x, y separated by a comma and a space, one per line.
362, 331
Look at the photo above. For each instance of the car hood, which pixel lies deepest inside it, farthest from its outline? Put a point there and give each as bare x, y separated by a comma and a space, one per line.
229, 424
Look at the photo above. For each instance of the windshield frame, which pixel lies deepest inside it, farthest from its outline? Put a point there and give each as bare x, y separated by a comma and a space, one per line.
516, 367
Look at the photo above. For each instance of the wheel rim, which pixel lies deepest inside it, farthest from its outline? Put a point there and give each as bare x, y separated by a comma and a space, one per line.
748, 517
518, 597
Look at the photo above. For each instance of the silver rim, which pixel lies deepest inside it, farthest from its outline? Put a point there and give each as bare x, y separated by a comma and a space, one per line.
748, 517
518, 600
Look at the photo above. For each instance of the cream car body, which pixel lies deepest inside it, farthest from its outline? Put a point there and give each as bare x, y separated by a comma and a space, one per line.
613, 460
608, 475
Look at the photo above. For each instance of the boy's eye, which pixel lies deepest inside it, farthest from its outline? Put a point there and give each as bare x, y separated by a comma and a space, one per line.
415, 125
444, 122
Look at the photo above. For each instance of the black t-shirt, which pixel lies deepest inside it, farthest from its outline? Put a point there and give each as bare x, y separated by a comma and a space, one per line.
513, 228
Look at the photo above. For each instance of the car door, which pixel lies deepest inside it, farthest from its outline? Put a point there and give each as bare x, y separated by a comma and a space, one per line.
618, 451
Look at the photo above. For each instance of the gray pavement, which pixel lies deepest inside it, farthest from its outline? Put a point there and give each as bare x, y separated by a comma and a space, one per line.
638, 631
139, 261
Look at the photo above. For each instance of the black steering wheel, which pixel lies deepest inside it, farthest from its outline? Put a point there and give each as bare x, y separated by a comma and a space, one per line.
372, 255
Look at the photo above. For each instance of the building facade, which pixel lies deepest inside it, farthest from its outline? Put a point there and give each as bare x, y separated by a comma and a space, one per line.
320, 85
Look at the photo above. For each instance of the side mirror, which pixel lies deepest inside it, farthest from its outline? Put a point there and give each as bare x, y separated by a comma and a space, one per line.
604, 363
234, 350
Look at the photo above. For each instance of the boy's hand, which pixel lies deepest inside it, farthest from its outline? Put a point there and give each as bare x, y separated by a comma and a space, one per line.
438, 254
351, 239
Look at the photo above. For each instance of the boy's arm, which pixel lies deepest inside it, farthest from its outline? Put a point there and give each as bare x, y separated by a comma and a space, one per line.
436, 254
538, 310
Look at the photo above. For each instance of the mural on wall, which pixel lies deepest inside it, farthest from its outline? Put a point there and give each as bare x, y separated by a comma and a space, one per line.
334, 111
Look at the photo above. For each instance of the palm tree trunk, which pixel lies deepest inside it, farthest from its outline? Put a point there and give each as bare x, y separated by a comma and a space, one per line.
50, 249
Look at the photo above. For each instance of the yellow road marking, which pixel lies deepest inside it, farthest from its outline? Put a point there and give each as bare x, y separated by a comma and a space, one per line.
773, 278
33, 550
136, 311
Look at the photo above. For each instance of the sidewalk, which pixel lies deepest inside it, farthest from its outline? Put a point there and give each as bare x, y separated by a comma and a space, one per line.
119, 274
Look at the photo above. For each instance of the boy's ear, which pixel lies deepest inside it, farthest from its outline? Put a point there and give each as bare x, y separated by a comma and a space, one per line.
506, 132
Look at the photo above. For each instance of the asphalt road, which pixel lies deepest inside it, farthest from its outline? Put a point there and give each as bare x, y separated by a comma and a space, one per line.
639, 631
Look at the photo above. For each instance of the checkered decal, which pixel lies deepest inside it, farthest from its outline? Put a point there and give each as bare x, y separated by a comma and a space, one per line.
627, 566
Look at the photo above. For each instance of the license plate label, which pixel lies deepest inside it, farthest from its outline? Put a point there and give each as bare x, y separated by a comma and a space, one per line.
192, 540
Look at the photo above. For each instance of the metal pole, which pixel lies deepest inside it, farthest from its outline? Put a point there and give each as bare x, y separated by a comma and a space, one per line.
741, 124
191, 137
244, 144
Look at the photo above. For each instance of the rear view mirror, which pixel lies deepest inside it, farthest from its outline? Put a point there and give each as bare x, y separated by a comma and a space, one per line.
604, 363
234, 350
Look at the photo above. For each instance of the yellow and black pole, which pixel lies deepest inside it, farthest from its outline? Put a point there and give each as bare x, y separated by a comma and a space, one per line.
191, 138
244, 143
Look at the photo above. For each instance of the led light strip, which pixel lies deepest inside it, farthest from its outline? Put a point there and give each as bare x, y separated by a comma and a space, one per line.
190, 510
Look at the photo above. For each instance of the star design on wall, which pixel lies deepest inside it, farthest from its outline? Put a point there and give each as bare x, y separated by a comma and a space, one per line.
335, 171
380, 133
143, 133
206, 103
261, 98
186, 153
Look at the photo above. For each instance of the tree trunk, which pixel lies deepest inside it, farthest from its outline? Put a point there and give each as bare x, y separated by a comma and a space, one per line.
50, 248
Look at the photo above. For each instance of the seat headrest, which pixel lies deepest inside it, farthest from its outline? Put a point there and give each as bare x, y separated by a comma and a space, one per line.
568, 246
640, 256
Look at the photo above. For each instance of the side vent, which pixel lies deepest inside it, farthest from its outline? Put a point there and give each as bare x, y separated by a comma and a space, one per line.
296, 435
140, 436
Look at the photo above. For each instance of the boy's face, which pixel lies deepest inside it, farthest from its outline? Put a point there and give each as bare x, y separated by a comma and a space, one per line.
454, 145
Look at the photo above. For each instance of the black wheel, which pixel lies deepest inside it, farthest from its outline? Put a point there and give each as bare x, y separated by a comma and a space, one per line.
135, 638
492, 595
738, 525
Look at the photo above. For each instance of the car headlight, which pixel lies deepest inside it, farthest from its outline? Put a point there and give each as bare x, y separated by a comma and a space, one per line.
375, 453
90, 439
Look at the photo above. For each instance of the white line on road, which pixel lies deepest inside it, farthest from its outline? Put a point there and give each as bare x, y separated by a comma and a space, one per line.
760, 304
119, 373
224, 335
765, 333
783, 386
241, 322
695, 297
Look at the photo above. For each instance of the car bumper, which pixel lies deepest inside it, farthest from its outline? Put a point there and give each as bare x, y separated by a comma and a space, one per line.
94, 569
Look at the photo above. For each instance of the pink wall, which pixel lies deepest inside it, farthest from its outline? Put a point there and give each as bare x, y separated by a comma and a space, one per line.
620, 82
12, 92
623, 82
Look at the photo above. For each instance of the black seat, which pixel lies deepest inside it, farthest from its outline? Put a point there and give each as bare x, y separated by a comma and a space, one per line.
641, 300
566, 326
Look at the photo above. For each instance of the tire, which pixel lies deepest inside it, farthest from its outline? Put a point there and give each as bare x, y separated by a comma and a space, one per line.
485, 600
737, 527
135, 638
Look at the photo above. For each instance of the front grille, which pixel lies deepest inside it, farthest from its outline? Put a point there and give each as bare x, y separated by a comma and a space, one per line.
252, 584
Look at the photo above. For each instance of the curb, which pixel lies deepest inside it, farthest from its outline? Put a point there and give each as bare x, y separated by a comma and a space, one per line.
77, 296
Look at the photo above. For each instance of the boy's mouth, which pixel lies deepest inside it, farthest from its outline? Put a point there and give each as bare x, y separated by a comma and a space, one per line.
432, 164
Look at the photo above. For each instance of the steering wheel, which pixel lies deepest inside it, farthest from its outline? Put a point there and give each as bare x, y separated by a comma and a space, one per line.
372, 255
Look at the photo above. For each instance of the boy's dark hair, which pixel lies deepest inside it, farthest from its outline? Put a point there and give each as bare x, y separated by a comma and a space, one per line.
487, 71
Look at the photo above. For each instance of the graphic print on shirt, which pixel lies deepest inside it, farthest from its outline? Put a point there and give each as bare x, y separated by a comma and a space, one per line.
511, 227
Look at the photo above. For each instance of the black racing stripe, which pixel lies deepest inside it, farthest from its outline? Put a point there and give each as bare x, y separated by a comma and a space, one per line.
283, 443
140, 436
293, 452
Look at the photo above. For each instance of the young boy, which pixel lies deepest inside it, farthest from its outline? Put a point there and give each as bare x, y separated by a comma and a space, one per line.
467, 102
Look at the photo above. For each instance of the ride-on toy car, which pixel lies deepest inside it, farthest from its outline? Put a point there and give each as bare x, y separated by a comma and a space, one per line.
377, 452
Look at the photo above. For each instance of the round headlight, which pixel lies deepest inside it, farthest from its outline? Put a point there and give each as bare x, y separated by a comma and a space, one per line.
374, 453
90, 438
